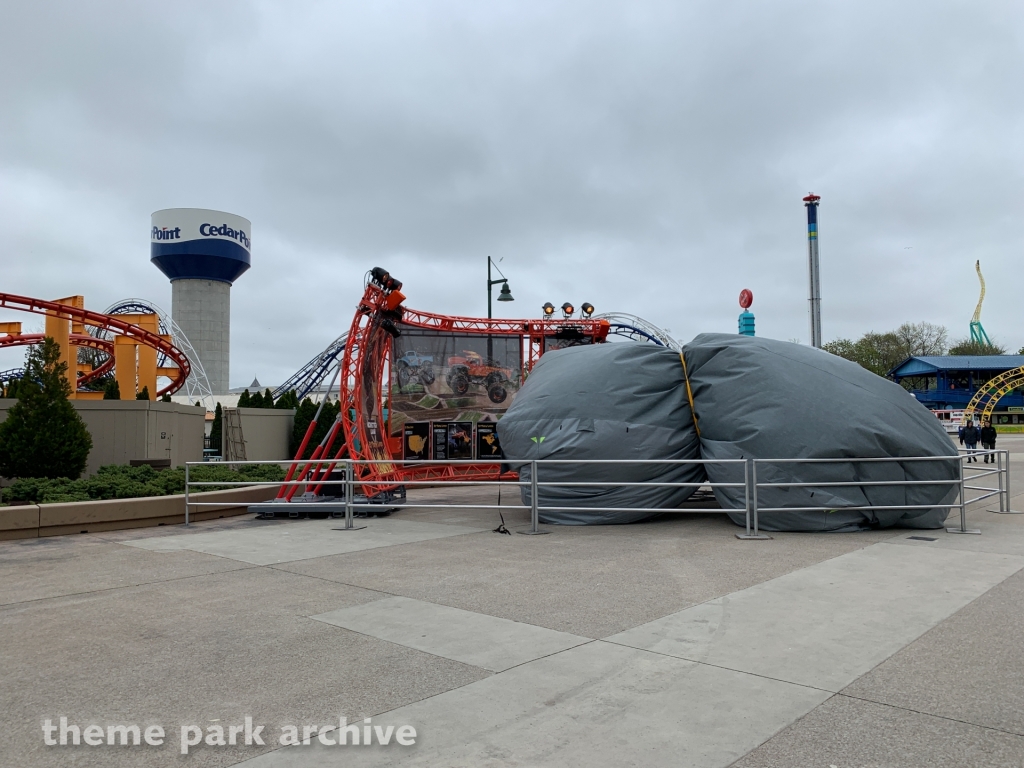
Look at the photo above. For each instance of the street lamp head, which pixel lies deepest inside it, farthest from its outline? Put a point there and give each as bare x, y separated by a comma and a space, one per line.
506, 293
548, 308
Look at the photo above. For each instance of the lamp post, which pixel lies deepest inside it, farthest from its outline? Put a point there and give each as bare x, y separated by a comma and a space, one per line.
505, 294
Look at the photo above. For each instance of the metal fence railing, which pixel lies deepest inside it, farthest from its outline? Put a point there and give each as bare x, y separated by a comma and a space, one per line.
967, 479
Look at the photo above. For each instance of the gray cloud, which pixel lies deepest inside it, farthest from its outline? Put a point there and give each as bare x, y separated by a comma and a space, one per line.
647, 157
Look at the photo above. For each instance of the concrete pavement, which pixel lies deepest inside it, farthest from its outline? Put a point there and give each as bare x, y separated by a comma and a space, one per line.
664, 643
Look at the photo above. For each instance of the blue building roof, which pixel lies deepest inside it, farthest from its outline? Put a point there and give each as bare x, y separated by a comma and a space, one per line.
930, 364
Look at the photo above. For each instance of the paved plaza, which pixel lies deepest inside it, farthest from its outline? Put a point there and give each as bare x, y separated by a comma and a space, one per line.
666, 643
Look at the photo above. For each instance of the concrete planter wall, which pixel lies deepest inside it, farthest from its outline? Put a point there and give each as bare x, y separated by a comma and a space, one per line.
36, 520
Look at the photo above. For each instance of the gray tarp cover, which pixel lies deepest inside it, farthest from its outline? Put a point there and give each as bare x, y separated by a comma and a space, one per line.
608, 401
754, 398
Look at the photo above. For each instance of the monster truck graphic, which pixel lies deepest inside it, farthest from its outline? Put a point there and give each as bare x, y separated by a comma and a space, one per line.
471, 368
412, 366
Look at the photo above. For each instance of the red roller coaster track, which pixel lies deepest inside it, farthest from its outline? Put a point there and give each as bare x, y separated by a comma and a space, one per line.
108, 322
77, 340
379, 316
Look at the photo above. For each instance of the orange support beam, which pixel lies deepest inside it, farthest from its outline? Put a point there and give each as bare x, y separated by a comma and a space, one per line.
147, 357
145, 371
125, 366
58, 328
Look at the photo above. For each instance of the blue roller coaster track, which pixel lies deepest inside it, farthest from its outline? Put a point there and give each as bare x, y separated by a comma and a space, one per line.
11, 374
310, 376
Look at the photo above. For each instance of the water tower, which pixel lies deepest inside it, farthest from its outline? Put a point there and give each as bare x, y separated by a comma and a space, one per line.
202, 252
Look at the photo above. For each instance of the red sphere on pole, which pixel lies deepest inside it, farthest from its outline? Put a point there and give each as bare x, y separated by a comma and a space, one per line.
746, 298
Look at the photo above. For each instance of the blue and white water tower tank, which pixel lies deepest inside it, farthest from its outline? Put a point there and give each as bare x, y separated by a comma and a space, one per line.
203, 252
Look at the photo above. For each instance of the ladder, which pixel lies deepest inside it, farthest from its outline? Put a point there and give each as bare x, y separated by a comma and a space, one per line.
234, 442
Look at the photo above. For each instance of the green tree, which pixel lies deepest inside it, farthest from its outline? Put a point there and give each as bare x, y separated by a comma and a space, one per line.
245, 400
288, 400
268, 399
922, 339
144, 394
216, 429
111, 390
968, 347
166, 398
304, 416
96, 385
881, 352
255, 400
43, 435
878, 352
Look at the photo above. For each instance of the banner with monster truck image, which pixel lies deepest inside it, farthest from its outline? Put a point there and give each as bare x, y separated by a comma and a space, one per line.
438, 376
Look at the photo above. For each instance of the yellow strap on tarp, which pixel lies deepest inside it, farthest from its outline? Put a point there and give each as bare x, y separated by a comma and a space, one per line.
689, 394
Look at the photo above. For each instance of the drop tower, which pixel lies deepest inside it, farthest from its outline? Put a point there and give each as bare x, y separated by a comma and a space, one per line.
202, 252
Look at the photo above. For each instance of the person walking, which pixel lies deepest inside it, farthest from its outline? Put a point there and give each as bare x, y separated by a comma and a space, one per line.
988, 440
971, 435
960, 433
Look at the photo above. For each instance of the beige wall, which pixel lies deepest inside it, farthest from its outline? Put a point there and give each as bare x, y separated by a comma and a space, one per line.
123, 430
266, 432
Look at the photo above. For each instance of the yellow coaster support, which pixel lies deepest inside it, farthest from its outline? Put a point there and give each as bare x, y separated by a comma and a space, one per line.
134, 363
58, 328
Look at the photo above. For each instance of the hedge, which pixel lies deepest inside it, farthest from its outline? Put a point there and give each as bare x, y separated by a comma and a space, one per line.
119, 482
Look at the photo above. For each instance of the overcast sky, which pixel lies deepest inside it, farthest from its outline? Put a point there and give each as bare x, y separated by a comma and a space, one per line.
647, 157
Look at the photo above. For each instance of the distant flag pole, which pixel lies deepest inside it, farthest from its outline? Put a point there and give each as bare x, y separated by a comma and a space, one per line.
811, 203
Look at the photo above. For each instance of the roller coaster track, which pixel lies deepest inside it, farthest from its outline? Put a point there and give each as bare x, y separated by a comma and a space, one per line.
312, 374
365, 353
11, 374
365, 364
638, 329
197, 385
977, 329
108, 322
77, 340
991, 392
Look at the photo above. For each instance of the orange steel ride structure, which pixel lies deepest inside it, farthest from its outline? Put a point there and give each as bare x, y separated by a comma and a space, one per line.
133, 352
15, 338
379, 318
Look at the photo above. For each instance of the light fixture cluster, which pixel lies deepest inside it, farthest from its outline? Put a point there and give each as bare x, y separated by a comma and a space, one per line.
568, 310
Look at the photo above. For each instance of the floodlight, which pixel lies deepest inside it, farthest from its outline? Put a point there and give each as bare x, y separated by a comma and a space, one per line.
567, 310
506, 293
587, 309
549, 309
